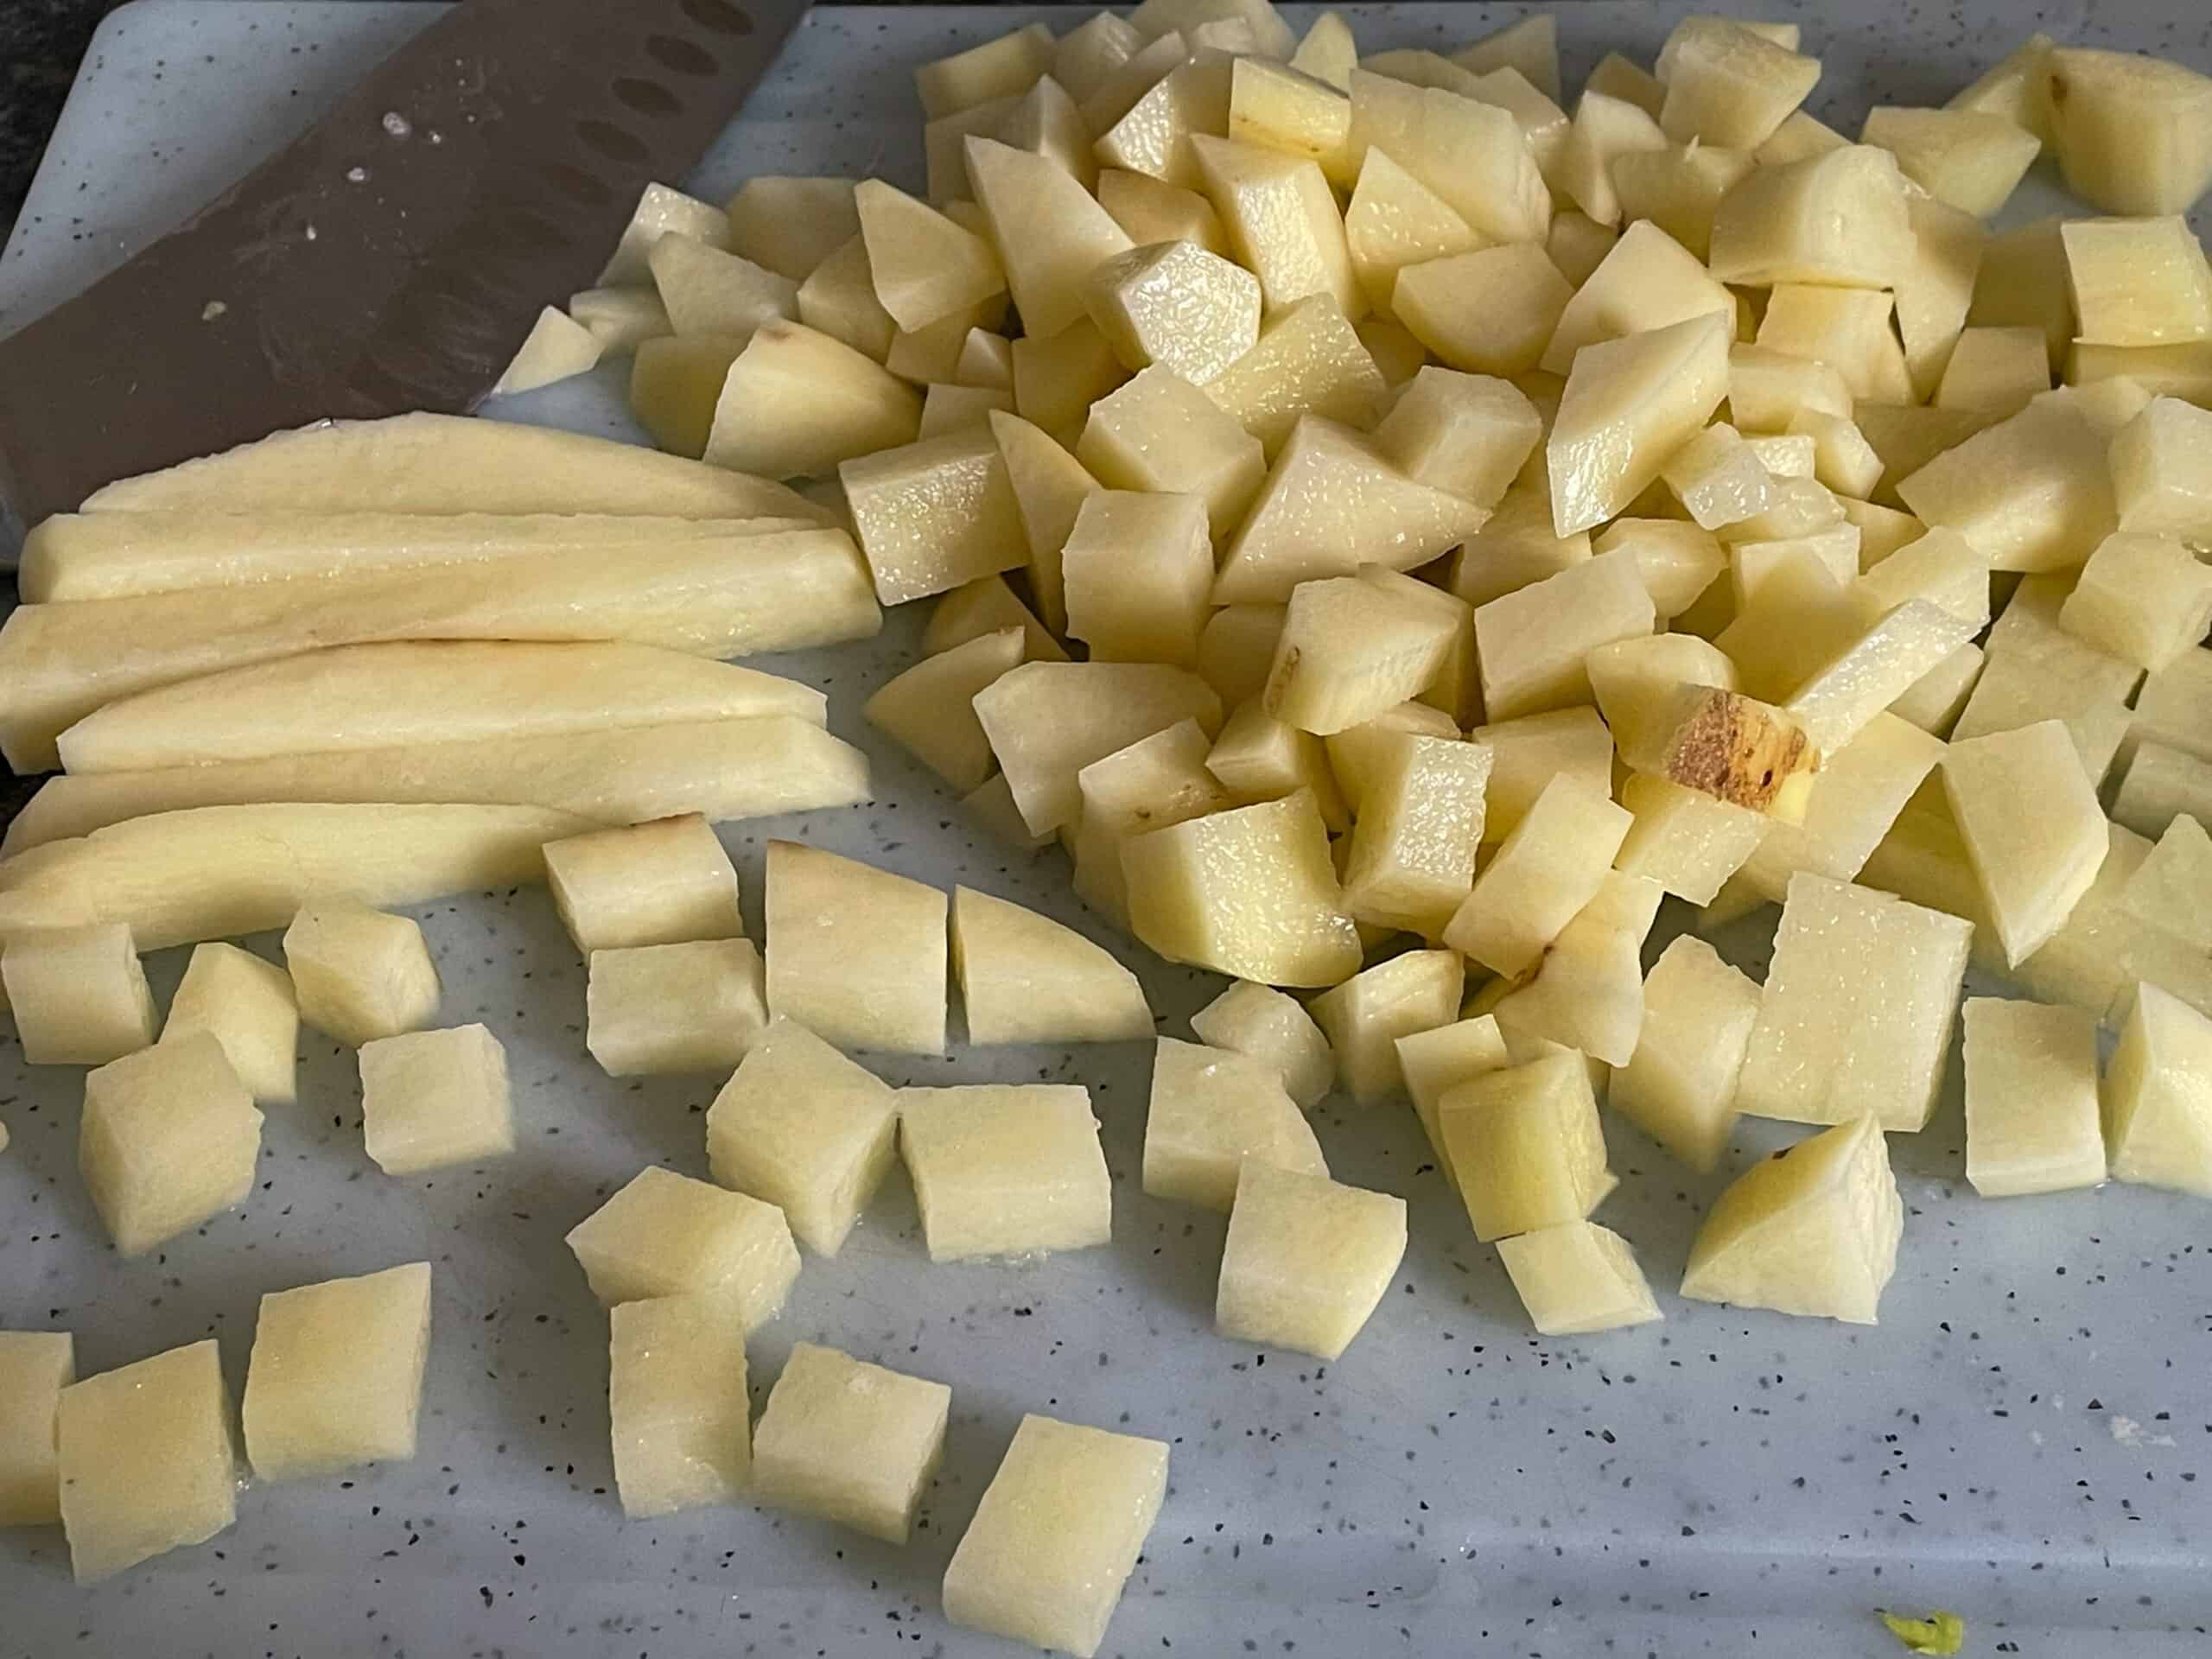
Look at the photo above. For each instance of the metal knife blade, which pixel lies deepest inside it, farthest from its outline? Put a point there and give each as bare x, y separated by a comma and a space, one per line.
394, 256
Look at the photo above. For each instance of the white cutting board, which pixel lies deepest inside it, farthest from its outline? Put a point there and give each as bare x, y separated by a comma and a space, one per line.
2017, 1440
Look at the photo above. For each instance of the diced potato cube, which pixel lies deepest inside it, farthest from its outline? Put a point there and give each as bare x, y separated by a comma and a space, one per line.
2022, 280
1728, 86
1812, 1230
1578, 1278
1857, 1011
660, 211
1351, 649
1504, 331
1842, 459
336, 1377
1466, 434
1528, 753
1578, 244
799, 400
1057, 1536
1139, 568
2158, 1096
667, 1235
169, 1138
1024, 978
926, 267
1839, 218
706, 291
1835, 702
1678, 188
1798, 138
1364, 1017
2016, 87
1152, 784
79, 994
1940, 696
1525, 1146
930, 708
1720, 743
1845, 327
1768, 389
1628, 405
933, 515
1211, 1111
1309, 361
1005, 1169
1854, 798
1156, 136
1717, 477
1685, 840
1159, 432
1439, 1060
678, 1414
1176, 304
1676, 560
1605, 130
1282, 221
1530, 46
2162, 471
247, 1005
1617, 77
653, 1009
2032, 1122
2031, 826
1551, 864
359, 974
2162, 782
2173, 888
1471, 154
1260, 1021
791, 225
1049, 721
1532, 643
1307, 1260
146, 1460
1637, 682
431, 1098
2133, 134
1412, 862
2096, 960
35, 1367
1680, 1085
852, 1442
1046, 227
1970, 159
948, 408
2030, 492
1587, 991
2138, 282
856, 954
983, 607
1393, 221
837, 298
1150, 210
2143, 599
1647, 281
1994, 371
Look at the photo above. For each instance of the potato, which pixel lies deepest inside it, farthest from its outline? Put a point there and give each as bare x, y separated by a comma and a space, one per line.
1839, 218
1812, 1230
2032, 1122
2143, 599
1057, 1535
1605, 130
856, 954
852, 1442
675, 383
1523, 295
1158, 135
2138, 282
1728, 86
1326, 52
2133, 134
1578, 244
925, 267
1024, 978
1309, 361
1307, 1260
661, 882
1939, 697
1281, 107
837, 298
1835, 702
1717, 477
336, 1376
1549, 867
1845, 327
247, 1005
1768, 388
1854, 798
1647, 281
1525, 1146
556, 347
1629, 403
706, 291
2171, 889
1150, 210
1152, 784
1160, 433
1686, 841
1577, 1279
2155, 1090
1530, 46
35, 1367
1679, 1086
1275, 1030
666, 1234
1970, 159
1351, 649
655, 1009
1412, 862
146, 1459
1045, 121
1586, 992
948, 408
1527, 754
2016, 87
2159, 783
1048, 720
1364, 1017
1138, 568
1469, 153
1393, 221
2030, 492
1047, 227
1466, 434
1798, 138
430, 1099
1676, 562
678, 1415
1049, 485
2098, 957
1005, 1169
79, 994
1212, 1111
1177, 304
928, 709
2161, 472
1251, 891
169, 1138
791, 225
1281, 219
426, 463
1677, 188
2031, 827
1533, 642
999, 67
1258, 757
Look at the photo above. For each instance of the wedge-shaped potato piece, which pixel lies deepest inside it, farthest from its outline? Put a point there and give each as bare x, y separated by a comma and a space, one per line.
420, 462
1812, 1230
2095, 960
2173, 888
2175, 709
1676, 560
1005, 1169
1211, 1111
676, 382
247, 1005
1365, 1016
1351, 649
856, 954
1533, 642
1685, 840
2031, 492
1526, 754
1842, 460
2160, 783
799, 401
2016, 87
169, 1137
407, 692
1530, 46
357, 973
1137, 568
660, 882
336, 1376
2032, 1122
1471, 154
1307, 1260
2022, 280
1412, 862
666, 1234
1837, 701
1548, 867
1679, 1087
1174, 303
35, 1367
1840, 218
935, 514
1525, 1146
1046, 226
1768, 389
1150, 210
1678, 188
1939, 697
1854, 798
1628, 405
661, 210
146, 1460
1466, 434
1309, 361
1327, 51
1577, 1279
1647, 281
1972, 160
1393, 221
1050, 486
791, 225
2133, 134
706, 291
1002, 67
2143, 599
2031, 826
2138, 282
79, 994
222, 870
1148, 784
925, 267
1121, 86
2020, 688
853, 1442
1251, 893
781, 591
1717, 477
802, 1128
1587, 991
1578, 244
2159, 1095
659, 1009
1856, 1015
1605, 130
1057, 1533
1024, 978
1331, 504
1727, 85
1266, 1025
949, 407
1160, 433
725, 769
837, 298
1939, 566
1258, 757
1158, 135
1048, 720
1282, 107
1846, 328
929, 709
1282, 222
2161, 466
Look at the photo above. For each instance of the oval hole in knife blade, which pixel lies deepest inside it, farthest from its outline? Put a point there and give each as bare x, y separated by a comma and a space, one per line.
684, 57
616, 143
646, 96
719, 16
575, 183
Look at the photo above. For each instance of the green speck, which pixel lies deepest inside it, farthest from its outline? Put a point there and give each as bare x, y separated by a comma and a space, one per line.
1939, 1633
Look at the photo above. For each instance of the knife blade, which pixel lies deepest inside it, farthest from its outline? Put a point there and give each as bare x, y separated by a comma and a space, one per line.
392, 256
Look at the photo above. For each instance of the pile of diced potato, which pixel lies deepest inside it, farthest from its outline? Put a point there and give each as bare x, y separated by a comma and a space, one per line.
1392, 532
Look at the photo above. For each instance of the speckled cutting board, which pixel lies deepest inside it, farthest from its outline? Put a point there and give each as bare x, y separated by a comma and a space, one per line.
2022, 1439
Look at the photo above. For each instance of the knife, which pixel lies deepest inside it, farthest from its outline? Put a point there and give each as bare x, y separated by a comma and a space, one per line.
394, 256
